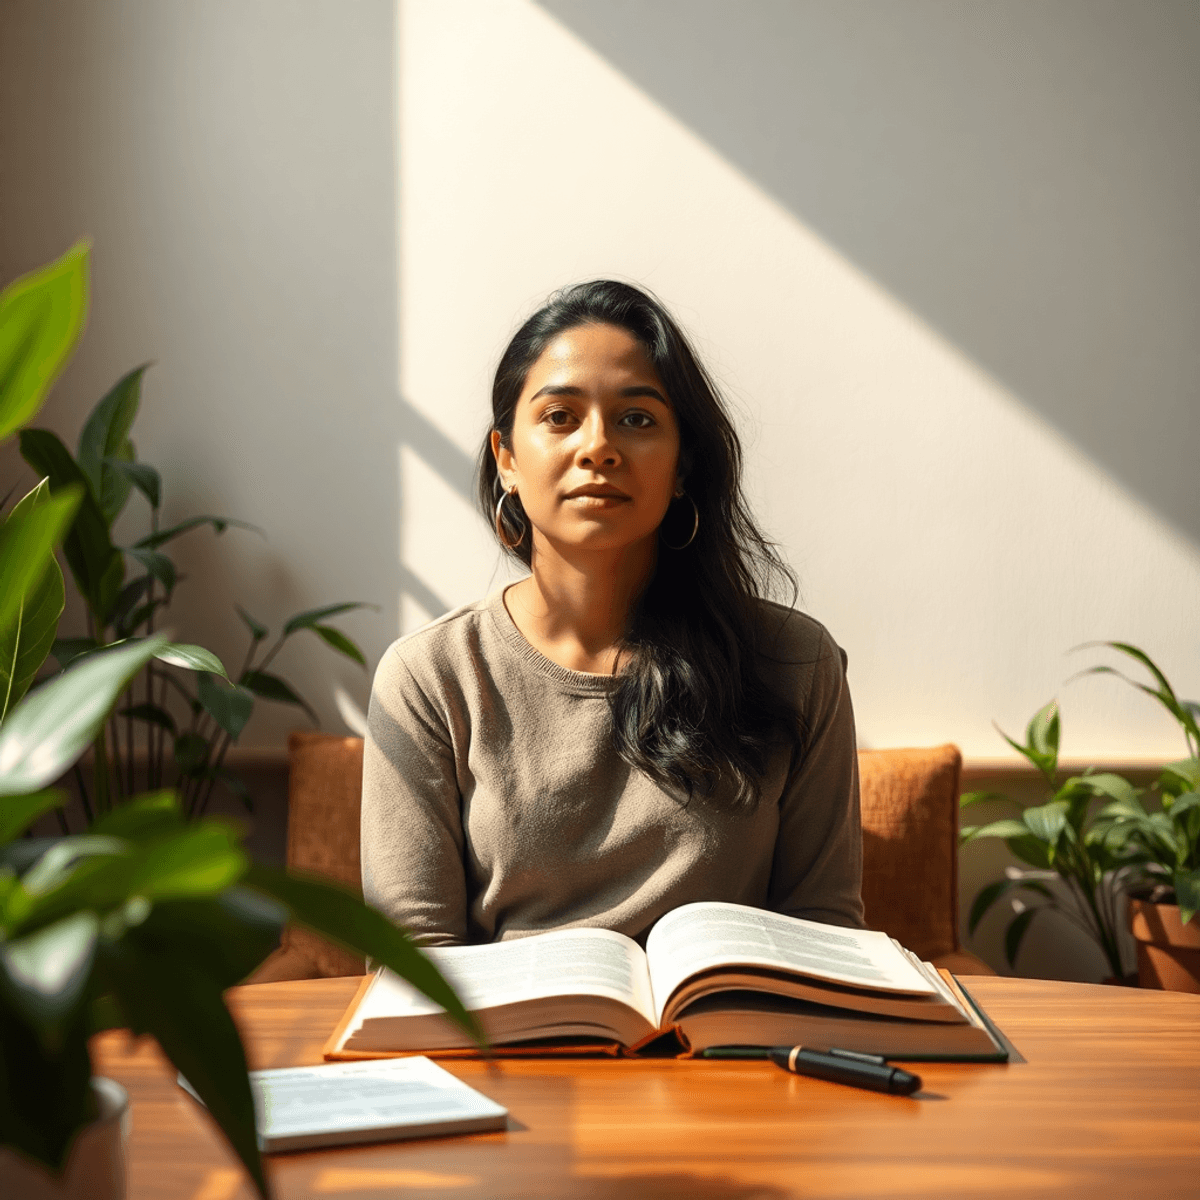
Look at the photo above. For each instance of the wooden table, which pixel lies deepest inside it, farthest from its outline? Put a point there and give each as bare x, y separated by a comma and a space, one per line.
1108, 1104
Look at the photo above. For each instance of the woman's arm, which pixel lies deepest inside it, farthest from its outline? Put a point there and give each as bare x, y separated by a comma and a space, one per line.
817, 868
411, 826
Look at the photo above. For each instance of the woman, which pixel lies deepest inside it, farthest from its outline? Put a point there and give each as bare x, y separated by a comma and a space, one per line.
631, 727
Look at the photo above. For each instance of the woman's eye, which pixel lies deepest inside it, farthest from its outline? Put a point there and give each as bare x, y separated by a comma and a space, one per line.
557, 416
637, 420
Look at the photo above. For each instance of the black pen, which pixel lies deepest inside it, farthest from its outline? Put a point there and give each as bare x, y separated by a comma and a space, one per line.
846, 1066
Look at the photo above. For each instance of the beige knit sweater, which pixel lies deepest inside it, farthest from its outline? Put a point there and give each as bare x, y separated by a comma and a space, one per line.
495, 806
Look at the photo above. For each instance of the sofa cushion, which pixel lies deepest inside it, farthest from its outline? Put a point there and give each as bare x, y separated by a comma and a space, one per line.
910, 845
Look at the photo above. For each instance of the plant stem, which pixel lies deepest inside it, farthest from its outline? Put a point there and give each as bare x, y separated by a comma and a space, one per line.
266, 662
1104, 934
83, 794
223, 744
248, 659
100, 773
118, 768
129, 742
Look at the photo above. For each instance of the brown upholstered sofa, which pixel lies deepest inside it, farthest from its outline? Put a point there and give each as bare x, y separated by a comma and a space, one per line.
910, 851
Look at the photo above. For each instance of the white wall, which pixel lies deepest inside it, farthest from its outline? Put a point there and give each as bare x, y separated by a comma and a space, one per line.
234, 164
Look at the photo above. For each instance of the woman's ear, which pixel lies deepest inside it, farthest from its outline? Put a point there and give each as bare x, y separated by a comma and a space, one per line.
504, 458
683, 467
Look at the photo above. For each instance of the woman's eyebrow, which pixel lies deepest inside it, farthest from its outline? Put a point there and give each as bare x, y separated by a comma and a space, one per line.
561, 389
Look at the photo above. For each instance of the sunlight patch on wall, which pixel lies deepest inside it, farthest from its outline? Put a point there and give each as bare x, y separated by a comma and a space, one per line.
954, 544
443, 545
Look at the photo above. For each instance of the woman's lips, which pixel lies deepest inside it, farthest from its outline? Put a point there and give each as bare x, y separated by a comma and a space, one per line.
597, 499
597, 495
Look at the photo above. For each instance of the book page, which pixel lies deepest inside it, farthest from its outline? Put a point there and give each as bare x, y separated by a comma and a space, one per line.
929, 972
564, 962
698, 937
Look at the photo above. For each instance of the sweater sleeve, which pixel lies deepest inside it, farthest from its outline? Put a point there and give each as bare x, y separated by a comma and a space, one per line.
411, 826
816, 871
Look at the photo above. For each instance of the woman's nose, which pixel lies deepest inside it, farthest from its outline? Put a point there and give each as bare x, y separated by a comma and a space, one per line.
596, 447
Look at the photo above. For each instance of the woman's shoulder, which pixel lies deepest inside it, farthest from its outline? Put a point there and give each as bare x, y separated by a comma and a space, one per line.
439, 649
798, 657
789, 636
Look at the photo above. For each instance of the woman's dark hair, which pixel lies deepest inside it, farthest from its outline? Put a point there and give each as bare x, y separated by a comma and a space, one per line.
690, 708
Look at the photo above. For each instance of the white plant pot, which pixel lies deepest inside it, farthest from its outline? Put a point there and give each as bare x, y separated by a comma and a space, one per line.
96, 1165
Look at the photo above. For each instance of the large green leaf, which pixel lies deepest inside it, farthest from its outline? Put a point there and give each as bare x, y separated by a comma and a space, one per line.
1164, 693
1015, 934
193, 658
986, 898
27, 541
106, 873
79, 871
1046, 822
158, 565
17, 813
311, 618
343, 918
48, 731
969, 798
1181, 776
166, 994
1031, 850
227, 935
258, 630
153, 540
1005, 828
96, 564
1106, 784
27, 633
1042, 734
271, 687
148, 817
143, 477
230, 707
1038, 727
127, 599
191, 753
105, 434
1187, 893
1176, 806
67, 650
47, 971
340, 642
44, 1093
41, 318
200, 860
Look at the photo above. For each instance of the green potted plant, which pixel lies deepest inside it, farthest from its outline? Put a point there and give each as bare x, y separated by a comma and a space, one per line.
144, 920
1164, 890
180, 716
1075, 852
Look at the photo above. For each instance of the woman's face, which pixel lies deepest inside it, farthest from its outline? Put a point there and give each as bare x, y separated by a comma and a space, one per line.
594, 450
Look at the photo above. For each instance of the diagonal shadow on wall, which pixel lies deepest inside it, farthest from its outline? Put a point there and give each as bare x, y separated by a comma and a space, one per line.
1024, 176
456, 469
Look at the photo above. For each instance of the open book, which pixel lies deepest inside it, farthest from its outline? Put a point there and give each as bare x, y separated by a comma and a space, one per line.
712, 974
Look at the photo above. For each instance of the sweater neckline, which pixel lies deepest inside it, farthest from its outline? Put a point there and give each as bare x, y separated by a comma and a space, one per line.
584, 682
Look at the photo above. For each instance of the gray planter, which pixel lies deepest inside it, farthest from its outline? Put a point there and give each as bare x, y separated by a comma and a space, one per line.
96, 1166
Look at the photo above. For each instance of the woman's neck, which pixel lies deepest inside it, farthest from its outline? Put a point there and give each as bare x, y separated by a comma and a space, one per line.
574, 608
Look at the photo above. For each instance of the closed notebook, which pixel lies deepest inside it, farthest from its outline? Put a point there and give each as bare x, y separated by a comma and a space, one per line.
300, 1108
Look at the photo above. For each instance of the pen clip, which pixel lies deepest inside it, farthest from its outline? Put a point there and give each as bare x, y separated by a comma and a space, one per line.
877, 1059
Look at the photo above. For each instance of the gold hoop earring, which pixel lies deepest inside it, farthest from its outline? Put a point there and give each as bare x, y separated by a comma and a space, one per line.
695, 524
500, 528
